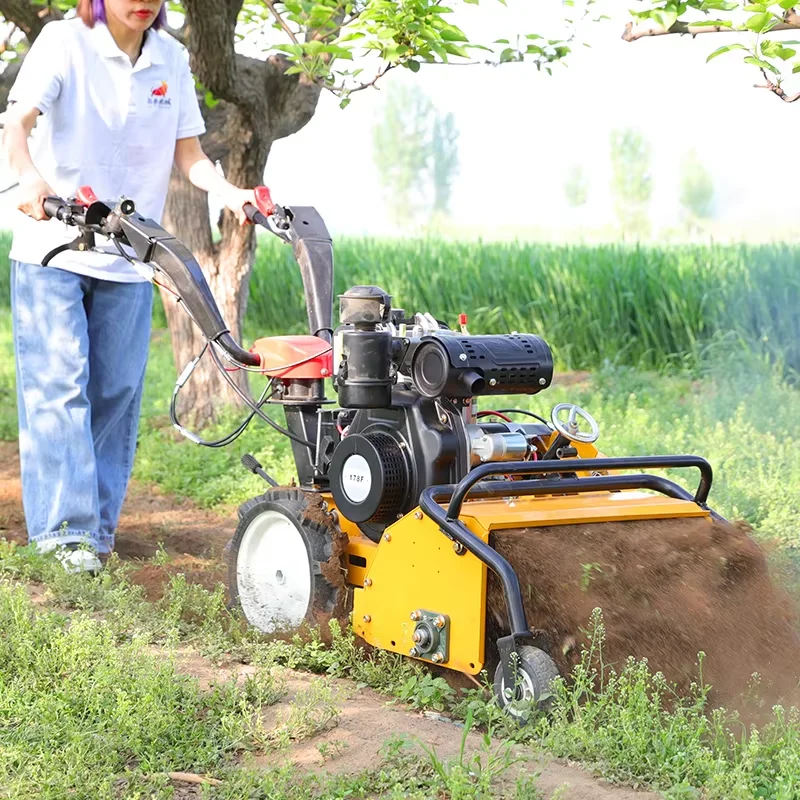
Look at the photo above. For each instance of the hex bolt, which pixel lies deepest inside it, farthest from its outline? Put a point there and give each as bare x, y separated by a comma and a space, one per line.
440, 622
413, 652
417, 515
367, 581
443, 419
416, 637
459, 548
463, 357
542, 381
400, 515
437, 658
387, 537
492, 381
367, 618
416, 616
334, 517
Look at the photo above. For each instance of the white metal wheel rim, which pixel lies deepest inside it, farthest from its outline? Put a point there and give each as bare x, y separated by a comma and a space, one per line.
273, 575
524, 682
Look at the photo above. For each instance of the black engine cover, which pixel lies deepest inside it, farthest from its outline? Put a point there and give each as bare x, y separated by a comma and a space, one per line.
390, 455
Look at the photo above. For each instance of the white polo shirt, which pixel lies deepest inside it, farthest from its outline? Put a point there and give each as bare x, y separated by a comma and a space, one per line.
105, 123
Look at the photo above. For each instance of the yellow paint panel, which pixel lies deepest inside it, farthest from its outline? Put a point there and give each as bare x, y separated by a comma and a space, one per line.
531, 512
358, 546
417, 568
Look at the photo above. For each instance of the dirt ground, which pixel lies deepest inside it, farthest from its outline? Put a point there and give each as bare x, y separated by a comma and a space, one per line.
196, 539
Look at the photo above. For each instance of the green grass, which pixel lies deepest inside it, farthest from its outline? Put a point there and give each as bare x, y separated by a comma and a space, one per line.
86, 708
650, 307
89, 710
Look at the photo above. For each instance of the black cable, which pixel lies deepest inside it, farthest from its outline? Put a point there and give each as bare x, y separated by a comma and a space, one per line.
226, 440
256, 408
249, 403
521, 411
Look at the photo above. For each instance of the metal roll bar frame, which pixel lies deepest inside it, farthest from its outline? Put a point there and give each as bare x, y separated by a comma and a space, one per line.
475, 486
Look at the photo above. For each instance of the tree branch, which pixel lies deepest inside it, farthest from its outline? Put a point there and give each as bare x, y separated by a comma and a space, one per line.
27, 18
369, 84
210, 35
791, 21
281, 21
776, 89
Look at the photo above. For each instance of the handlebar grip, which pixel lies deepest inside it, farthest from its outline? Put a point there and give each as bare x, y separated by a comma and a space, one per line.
55, 207
251, 212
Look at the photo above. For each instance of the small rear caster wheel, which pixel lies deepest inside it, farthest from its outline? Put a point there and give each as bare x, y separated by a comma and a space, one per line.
536, 672
281, 562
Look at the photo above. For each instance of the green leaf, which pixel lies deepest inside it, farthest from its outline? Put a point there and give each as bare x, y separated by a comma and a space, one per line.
759, 62
665, 17
726, 48
713, 23
209, 100
761, 23
413, 65
795, 69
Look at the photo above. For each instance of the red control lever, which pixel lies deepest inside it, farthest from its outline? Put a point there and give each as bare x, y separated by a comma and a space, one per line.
264, 201
263, 208
85, 196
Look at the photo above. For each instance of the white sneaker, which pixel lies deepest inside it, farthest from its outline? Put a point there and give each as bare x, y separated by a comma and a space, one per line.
79, 560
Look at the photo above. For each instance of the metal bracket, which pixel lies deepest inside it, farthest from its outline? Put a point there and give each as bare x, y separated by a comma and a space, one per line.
431, 636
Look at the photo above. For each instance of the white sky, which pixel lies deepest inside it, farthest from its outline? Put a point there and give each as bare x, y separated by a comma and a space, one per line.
520, 129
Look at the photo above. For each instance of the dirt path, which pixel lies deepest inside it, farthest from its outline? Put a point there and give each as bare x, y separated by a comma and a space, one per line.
195, 538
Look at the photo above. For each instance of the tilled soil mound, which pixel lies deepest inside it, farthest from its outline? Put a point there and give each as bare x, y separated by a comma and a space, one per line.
668, 589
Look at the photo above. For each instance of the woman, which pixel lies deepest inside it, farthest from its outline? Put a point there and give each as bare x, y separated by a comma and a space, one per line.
118, 106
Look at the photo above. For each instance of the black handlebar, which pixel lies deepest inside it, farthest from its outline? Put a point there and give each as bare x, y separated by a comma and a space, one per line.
56, 207
254, 215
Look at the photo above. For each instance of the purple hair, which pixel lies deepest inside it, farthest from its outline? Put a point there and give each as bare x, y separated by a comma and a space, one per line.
99, 14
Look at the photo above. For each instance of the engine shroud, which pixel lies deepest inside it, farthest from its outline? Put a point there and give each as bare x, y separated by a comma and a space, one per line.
390, 455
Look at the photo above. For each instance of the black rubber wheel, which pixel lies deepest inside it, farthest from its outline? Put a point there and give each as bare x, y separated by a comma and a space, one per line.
286, 563
536, 671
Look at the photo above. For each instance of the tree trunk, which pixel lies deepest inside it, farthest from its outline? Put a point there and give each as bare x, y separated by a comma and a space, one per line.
227, 264
259, 103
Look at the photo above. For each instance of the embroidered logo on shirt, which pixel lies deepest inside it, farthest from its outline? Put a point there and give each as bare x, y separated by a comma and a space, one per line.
158, 95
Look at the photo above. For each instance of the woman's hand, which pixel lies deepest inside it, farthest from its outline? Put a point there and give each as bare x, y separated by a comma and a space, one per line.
236, 199
32, 193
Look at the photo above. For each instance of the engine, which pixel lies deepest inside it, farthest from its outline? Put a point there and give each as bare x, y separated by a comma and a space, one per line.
407, 388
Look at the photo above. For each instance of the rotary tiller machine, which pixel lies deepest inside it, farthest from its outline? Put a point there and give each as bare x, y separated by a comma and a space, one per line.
404, 483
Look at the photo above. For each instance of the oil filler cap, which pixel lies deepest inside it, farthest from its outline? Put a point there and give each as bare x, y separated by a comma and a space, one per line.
369, 477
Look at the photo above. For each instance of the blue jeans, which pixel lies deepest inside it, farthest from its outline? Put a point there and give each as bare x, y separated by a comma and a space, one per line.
81, 349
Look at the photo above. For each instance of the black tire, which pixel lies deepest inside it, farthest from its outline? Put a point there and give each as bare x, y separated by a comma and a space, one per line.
533, 692
280, 591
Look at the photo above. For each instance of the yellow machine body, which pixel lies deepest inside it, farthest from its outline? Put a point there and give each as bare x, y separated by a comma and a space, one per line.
416, 568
